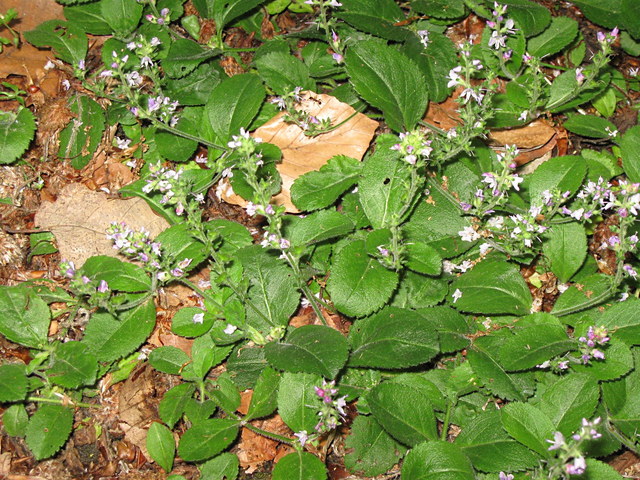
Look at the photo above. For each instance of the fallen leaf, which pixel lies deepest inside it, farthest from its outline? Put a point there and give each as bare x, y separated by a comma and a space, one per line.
302, 154
80, 217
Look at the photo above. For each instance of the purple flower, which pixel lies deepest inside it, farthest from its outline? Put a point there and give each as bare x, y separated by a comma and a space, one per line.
557, 442
103, 287
578, 466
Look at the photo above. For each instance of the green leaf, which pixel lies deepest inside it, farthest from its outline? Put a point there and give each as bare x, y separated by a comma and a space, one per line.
359, 284
589, 126
173, 402
531, 17
273, 288
233, 104
122, 276
437, 460
174, 147
442, 9
623, 319
264, 399
374, 16
618, 362
183, 322
168, 359
576, 296
299, 465
225, 11
373, 451
318, 227
13, 382
25, 317
605, 14
16, 133
80, 139
297, 401
311, 349
569, 400
195, 88
493, 286
321, 188
630, 17
392, 338
390, 81
597, 470
383, 187
161, 445
184, 56
73, 365
48, 430
41, 244
533, 345
564, 173
630, 147
606, 102
109, 339
566, 249
283, 72
422, 258
245, 365
451, 326
404, 411
178, 242
560, 33
490, 448
226, 393
15, 420
528, 425
88, 17
123, 16
600, 164
68, 40
223, 467
207, 438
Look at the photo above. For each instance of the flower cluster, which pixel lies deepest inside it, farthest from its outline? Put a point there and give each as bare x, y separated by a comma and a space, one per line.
135, 245
245, 144
461, 76
413, 147
332, 410
500, 30
170, 183
569, 457
162, 108
98, 292
596, 336
163, 19
309, 124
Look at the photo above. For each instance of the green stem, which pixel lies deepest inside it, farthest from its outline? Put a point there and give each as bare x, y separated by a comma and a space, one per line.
446, 420
271, 435
592, 302
62, 402
186, 135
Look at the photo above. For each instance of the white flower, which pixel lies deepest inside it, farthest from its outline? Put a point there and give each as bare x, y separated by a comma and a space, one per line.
456, 295
230, 329
484, 248
198, 318
469, 234
122, 143
454, 77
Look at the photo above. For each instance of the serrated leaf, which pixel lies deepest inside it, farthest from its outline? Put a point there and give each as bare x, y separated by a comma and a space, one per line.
80, 139
264, 399
297, 400
233, 104
283, 72
576, 296
319, 189
311, 349
109, 338
451, 326
422, 258
529, 426
15, 420
168, 359
630, 147
566, 249
226, 11
597, 470
491, 449
68, 40
195, 88
623, 319
173, 402
245, 365
299, 465
16, 133
564, 173
493, 375
175, 147
48, 430
119, 275
404, 412
605, 14
377, 17
88, 17
531, 17
390, 81
618, 362
373, 451
359, 284
161, 445
492, 286
13, 382
73, 365
223, 467
569, 400
183, 322
25, 317
444, 9
560, 33
318, 227
437, 460
207, 438
392, 338
184, 56
533, 345
122, 16
589, 126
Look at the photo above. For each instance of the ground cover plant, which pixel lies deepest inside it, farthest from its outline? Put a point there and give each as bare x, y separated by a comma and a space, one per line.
425, 305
